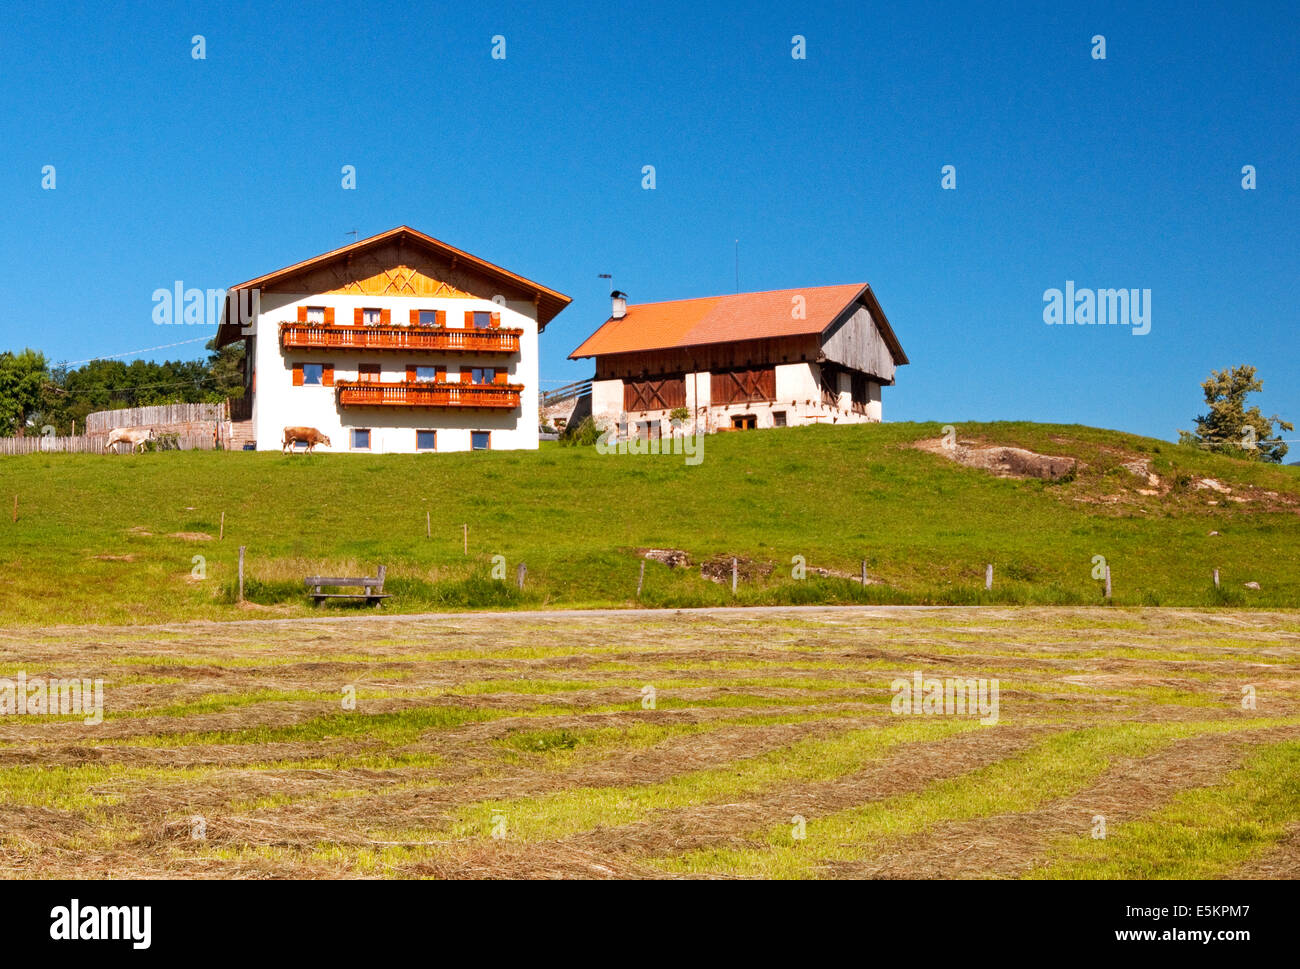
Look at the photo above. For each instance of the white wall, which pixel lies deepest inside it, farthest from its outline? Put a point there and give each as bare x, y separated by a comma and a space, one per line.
798, 396
277, 403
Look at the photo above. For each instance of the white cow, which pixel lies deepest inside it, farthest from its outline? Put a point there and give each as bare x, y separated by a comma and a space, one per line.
134, 437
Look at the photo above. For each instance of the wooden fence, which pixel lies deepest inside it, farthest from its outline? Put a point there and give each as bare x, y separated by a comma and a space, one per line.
95, 443
164, 416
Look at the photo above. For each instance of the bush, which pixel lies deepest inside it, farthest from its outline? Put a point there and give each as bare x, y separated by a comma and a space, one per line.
584, 434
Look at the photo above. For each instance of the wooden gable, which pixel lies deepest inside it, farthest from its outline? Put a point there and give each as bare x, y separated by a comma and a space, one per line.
395, 268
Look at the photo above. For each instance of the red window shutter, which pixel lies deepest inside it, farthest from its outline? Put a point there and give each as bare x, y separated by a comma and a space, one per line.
499, 375
466, 375
302, 314
440, 375
440, 316
327, 375
410, 373
469, 319
356, 316
297, 375
386, 317
496, 320
329, 316
415, 317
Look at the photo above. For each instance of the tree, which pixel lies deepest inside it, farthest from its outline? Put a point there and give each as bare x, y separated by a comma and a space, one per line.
1229, 427
22, 382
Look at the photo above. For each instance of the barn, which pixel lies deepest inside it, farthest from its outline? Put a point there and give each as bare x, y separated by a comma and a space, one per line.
817, 355
398, 343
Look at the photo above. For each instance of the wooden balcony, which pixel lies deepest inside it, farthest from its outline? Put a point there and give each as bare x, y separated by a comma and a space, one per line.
428, 394
407, 338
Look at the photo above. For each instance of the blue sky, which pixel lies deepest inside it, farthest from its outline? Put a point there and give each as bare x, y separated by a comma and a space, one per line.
1117, 173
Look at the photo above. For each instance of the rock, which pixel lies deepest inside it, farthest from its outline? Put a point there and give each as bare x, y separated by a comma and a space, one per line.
1203, 483
1253, 585
674, 558
1213, 533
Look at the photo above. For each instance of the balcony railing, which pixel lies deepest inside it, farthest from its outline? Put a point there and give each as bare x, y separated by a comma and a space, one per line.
343, 337
427, 394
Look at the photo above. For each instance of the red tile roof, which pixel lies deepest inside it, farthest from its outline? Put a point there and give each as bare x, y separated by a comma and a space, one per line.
728, 319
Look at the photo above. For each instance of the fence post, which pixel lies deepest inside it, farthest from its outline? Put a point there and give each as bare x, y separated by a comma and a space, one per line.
733, 576
1107, 581
465, 530
519, 575
427, 526
988, 578
15, 508
864, 573
640, 579
221, 537
241, 573
1216, 578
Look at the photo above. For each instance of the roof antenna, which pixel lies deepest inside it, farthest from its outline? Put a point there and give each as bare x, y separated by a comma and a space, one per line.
737, 265
353, 234
607, 276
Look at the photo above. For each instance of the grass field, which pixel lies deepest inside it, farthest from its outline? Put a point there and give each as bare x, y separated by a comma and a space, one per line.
525, 745
114, 538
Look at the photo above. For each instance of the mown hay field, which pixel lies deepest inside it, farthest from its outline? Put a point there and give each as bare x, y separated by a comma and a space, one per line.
527, 745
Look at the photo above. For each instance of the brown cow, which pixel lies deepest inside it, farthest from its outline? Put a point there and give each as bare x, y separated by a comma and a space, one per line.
122, 435
306, 435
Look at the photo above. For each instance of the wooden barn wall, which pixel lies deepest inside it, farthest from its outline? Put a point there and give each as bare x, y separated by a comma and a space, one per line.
856, 344
718, 356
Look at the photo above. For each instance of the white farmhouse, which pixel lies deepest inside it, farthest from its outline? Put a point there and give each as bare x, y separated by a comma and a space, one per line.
395, 344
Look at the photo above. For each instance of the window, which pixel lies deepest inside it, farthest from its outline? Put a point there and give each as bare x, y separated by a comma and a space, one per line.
778, 418
313, 373
483, 375
361, 439
744, 422
480, 440
649, 430
315, 314
371, 317
830, 384
428, 317
426, 374
482, 320
368, 373
858, 392
426, 440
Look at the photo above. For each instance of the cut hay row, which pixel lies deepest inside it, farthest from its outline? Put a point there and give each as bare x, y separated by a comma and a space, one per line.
661, 746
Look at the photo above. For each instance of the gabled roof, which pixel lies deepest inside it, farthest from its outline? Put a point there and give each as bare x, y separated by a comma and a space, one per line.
729, 319
549, 301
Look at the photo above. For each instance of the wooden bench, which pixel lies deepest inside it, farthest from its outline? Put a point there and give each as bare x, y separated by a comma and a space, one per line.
373, 588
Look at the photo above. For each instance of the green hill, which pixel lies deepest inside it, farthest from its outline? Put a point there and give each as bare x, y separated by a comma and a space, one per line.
113, 538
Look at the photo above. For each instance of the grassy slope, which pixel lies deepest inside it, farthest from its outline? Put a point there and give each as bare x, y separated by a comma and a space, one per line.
834, 495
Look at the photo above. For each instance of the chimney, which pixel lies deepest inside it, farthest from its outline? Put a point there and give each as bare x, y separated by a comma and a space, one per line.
620, 304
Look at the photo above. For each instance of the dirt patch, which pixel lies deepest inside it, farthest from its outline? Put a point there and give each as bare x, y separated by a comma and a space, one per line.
192, 536
116, 558
1005, 462
718, 568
